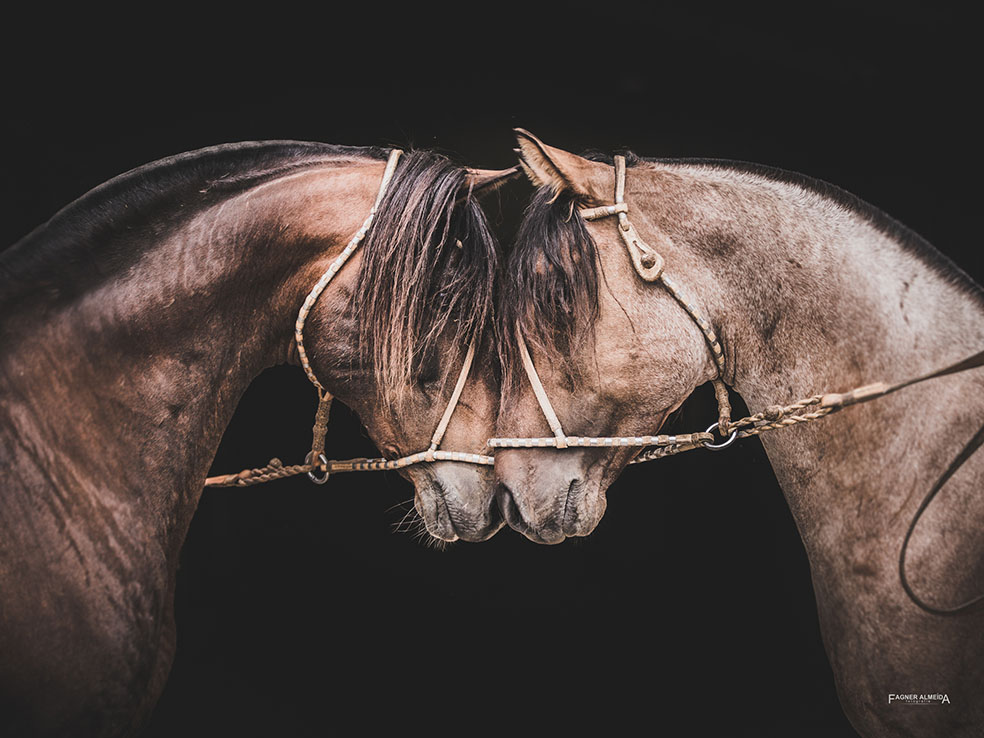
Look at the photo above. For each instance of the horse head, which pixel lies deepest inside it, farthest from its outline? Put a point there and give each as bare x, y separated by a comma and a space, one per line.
392, 338
615, 354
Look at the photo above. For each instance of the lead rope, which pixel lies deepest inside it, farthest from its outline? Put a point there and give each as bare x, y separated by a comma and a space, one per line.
316, 462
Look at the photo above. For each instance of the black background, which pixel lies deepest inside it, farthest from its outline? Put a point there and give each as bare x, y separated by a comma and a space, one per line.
301, 609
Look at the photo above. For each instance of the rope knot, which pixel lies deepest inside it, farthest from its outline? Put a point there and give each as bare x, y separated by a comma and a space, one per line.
773, 412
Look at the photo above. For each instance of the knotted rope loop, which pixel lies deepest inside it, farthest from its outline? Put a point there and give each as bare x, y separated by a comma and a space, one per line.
719, 446
724, 405
773, 412
323, 461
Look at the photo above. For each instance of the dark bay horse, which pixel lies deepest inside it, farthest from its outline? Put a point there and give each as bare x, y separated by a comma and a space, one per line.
131, 324
808, 290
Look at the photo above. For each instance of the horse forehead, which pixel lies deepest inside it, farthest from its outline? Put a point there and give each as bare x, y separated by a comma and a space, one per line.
480, 397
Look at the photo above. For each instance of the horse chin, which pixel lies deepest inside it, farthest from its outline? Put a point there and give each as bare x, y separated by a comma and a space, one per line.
570, 513
450, 508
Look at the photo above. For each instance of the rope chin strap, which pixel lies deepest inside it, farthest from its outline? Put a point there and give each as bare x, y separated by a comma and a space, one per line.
316, 462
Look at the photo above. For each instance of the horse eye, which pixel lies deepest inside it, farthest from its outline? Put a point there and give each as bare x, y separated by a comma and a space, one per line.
430, 368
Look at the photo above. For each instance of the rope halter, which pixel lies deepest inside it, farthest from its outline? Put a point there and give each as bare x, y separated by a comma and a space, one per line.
316, 462
648, 264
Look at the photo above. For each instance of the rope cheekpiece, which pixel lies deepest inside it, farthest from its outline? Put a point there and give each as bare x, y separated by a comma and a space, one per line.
336, 265
315, 462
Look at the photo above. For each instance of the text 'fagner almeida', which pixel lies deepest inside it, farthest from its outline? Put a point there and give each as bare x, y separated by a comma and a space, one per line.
920, 699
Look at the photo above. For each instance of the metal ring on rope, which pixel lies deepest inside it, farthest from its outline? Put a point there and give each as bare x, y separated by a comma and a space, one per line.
311, 475
719, 446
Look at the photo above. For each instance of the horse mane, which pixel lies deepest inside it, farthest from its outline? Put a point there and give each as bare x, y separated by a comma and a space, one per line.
97, 235
428, 268
550, 294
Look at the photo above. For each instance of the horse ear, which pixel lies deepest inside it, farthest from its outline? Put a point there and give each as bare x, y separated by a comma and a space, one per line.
483, 181
562, 170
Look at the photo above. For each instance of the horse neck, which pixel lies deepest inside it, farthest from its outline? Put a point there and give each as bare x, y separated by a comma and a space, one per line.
815, 296
126, 391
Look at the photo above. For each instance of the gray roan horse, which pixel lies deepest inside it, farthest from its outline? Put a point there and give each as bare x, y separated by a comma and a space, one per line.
131, 324
809, 290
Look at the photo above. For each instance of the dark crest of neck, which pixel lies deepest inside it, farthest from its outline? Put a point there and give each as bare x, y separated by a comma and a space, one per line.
113, 225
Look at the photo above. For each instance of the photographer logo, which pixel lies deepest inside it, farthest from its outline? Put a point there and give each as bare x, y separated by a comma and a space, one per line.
919, 699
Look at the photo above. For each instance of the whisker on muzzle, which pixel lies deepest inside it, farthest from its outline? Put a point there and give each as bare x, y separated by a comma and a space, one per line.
413, 524
410, 519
